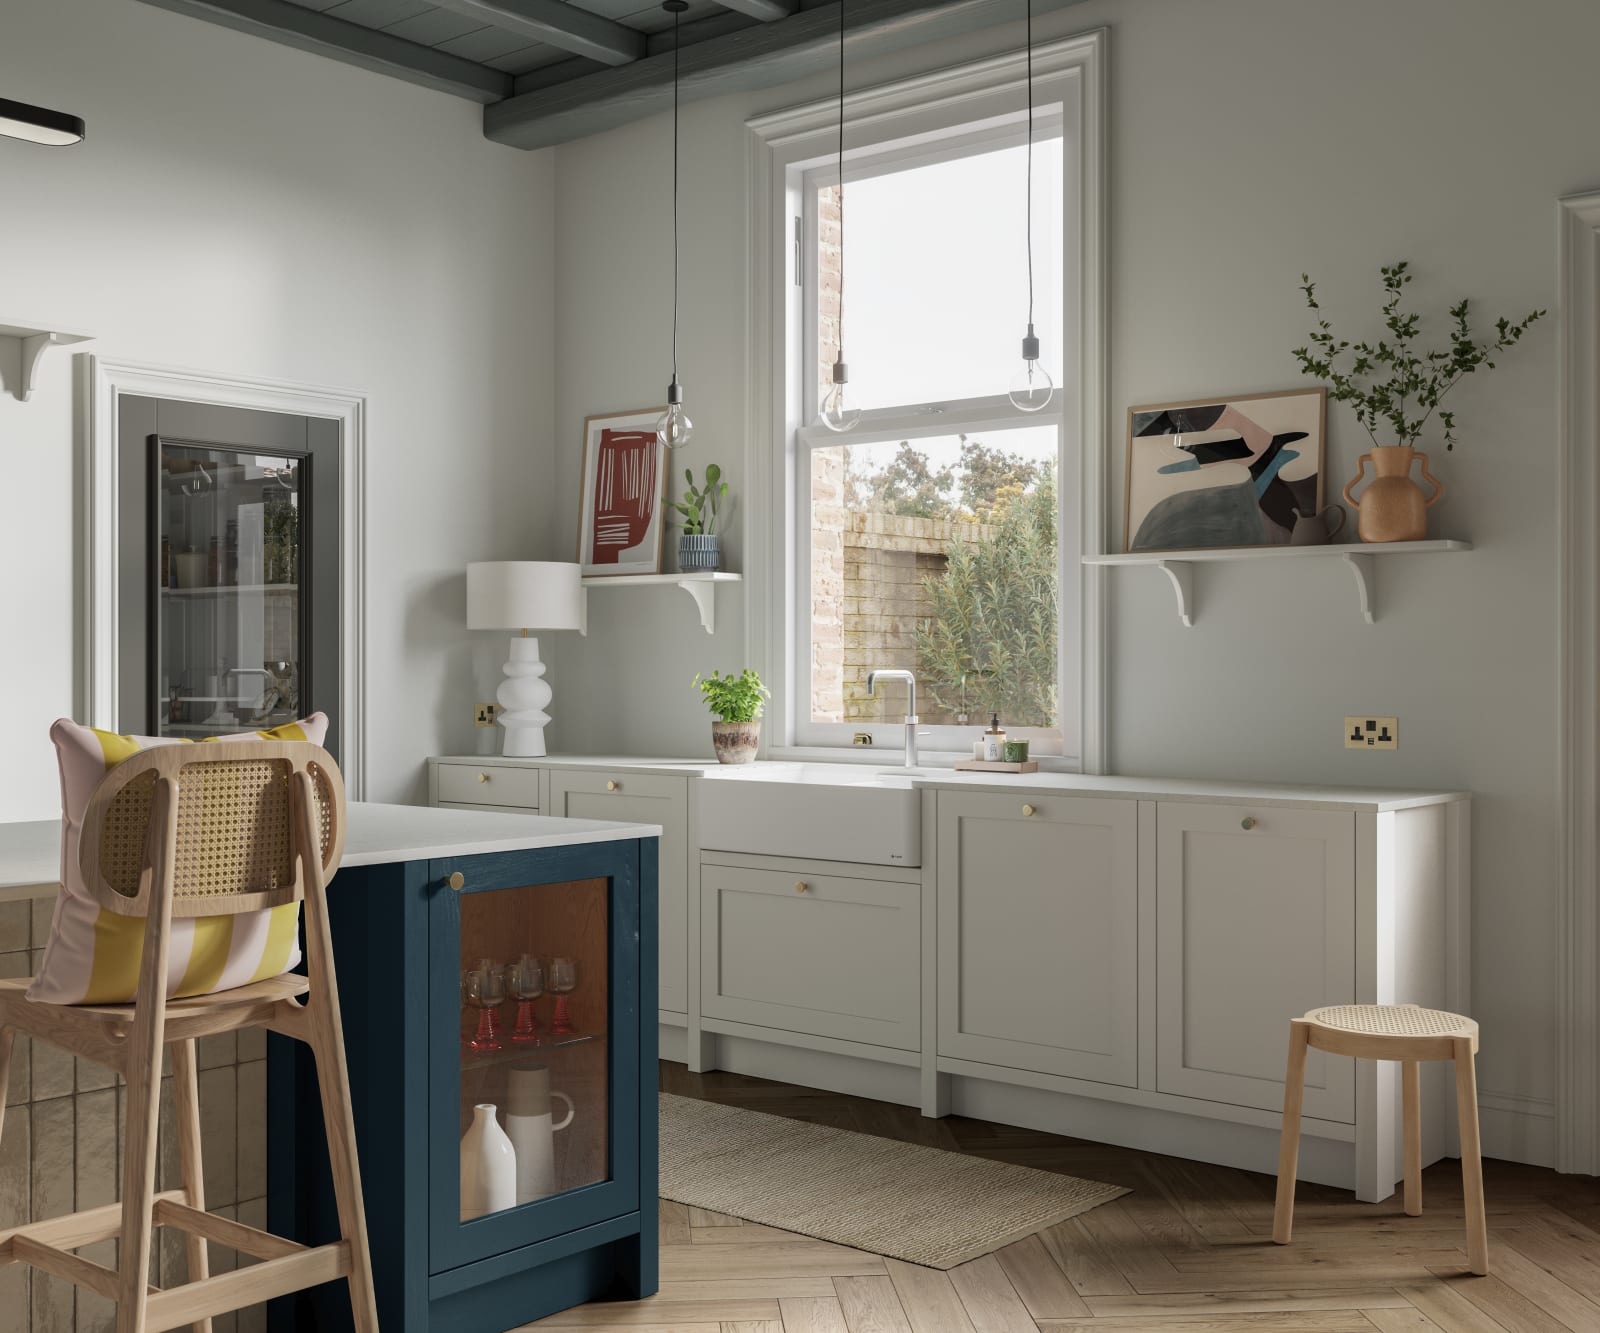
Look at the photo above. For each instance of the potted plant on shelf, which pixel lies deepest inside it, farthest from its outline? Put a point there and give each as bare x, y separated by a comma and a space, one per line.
738, 702
699, 543
1395, 388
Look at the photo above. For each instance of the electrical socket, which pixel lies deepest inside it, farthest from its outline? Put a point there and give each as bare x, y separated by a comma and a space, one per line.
483, 715
1372, 733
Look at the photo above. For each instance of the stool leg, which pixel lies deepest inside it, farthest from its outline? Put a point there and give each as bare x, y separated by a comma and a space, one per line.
1289, 1145
1411, 1085
186, 1104
7, 1036
1471, 1158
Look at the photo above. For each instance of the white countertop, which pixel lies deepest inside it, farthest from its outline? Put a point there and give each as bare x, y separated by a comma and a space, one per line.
30, 853
1306, 796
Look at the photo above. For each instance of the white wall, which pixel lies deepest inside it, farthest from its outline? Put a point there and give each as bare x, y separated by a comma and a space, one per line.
1251, 139
246, 208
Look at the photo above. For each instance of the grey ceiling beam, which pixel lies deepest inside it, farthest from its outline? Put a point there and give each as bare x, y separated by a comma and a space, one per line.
558, 24
765, 10
308, 30
760, 55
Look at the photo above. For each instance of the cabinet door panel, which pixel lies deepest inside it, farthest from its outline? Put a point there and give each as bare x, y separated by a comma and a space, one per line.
840, 958
1038, 934
645, 799
1254, 926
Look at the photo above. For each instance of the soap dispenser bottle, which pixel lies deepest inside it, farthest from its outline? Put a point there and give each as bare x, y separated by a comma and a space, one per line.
994, 741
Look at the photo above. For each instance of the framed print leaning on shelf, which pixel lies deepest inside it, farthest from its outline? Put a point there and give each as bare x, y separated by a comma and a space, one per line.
621, 523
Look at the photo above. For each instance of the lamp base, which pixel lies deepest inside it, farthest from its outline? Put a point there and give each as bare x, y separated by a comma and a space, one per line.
523, 696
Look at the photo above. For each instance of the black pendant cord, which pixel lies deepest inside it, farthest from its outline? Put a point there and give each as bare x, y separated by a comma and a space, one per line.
840, 356
675, 14
1029, 4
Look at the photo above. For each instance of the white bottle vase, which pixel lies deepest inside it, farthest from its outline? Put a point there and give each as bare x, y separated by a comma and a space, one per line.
532, 1128
488, 1166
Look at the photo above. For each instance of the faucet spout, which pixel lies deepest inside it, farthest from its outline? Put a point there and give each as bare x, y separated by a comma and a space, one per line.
911, 705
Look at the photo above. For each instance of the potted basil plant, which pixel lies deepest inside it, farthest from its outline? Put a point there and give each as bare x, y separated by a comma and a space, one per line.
738, 702
699, 543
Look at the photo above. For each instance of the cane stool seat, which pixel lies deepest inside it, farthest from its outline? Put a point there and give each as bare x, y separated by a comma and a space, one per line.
1409, 1034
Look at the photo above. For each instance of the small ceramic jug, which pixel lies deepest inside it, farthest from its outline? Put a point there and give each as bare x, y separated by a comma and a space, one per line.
1393, 508
1311, 529
531, 1127
488, 1166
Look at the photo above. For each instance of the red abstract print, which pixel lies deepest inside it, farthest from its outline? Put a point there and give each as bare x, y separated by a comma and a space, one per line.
625, 493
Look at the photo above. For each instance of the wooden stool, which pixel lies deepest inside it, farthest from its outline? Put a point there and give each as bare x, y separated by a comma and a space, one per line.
1410, 1034
202, 830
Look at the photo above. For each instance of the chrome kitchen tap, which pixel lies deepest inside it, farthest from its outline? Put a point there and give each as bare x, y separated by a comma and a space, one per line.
911, 707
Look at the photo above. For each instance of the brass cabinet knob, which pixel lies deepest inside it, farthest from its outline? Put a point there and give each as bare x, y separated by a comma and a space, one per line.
1247, 823
613, 785
483, 777
800, 886
456, 880
1029, 811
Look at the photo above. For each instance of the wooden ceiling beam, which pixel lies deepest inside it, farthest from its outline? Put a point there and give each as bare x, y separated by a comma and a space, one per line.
768, 11
350, 43
562, 25
760, 55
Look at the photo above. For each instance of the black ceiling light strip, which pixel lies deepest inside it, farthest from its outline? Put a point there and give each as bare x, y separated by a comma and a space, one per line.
37, 124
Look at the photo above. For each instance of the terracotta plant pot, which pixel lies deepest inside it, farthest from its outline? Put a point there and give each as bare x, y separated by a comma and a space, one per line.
736, 742
1393, 507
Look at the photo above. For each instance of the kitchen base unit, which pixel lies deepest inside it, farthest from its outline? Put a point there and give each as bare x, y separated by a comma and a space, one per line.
512, 980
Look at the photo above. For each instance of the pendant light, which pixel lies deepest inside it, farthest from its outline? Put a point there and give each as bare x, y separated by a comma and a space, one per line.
839, 412
673, 427
38, 124
1032, 388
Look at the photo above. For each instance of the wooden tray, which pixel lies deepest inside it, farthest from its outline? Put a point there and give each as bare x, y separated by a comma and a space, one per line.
996, 766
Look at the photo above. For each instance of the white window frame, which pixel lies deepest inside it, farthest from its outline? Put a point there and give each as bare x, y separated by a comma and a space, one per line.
944, 110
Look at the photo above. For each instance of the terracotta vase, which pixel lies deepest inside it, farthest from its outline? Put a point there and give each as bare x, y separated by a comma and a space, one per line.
1393, 507
736, 742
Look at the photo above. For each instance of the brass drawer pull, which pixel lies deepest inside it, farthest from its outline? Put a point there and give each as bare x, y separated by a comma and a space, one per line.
483, 777
800, 886
613, 785
456, 880
1029, 811
1247, 823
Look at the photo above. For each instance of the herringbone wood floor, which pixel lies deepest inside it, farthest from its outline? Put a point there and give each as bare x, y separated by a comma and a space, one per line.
1188, 1251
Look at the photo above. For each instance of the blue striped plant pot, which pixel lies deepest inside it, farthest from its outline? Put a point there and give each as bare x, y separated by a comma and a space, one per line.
698, 554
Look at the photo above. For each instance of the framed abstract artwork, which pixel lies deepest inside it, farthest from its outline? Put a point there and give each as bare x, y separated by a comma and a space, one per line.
621, 522
1225, 471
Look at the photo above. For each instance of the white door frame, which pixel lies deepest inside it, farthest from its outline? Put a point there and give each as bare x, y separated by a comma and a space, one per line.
1578, 668
103, 382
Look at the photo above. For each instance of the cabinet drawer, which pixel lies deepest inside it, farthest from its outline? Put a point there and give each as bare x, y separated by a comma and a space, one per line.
820, 954
489, 784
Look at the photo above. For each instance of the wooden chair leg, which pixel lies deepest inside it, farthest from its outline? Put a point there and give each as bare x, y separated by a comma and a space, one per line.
139, 1164
7, 1036
186, 1105
1471, 1158
1289, 1145
1411, 1085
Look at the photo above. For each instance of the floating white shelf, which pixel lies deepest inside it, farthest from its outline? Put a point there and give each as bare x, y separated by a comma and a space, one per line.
1179, 565
31, 340
701, 587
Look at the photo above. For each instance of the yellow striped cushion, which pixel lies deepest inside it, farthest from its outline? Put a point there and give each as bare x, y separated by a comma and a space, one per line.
93, 954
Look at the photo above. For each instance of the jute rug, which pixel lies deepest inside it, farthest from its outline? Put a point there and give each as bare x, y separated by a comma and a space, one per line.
923, 1205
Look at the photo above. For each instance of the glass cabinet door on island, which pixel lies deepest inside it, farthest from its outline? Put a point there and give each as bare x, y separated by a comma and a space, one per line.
526, 1063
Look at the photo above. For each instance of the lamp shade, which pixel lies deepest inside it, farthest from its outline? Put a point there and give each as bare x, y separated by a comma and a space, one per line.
37, 124
524, 594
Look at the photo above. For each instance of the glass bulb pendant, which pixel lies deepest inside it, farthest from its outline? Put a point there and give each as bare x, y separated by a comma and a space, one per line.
673, 427
839, 411
1032, 388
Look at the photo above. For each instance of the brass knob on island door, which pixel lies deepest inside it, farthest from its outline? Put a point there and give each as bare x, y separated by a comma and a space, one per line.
613, 785
456, 880
1029, 812
1247, 823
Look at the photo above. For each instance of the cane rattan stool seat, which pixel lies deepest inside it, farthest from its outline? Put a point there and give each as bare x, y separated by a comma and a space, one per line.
1393, 1020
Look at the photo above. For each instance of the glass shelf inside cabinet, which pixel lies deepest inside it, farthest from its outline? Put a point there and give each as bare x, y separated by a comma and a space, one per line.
534, 1050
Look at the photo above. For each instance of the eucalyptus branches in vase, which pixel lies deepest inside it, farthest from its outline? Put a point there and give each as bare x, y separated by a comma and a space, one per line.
1397, 390
699, 542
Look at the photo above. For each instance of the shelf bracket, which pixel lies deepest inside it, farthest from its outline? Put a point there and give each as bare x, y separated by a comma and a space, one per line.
705, 598
20, 370
1181, 572
1361, 567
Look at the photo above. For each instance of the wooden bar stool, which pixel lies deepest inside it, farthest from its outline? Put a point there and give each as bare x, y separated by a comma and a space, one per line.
1409, 1034
202, 830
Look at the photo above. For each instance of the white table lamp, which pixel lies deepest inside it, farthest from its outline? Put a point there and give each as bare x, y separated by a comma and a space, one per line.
524, 595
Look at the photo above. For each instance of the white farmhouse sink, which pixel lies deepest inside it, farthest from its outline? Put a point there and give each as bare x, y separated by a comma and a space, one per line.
829, 812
